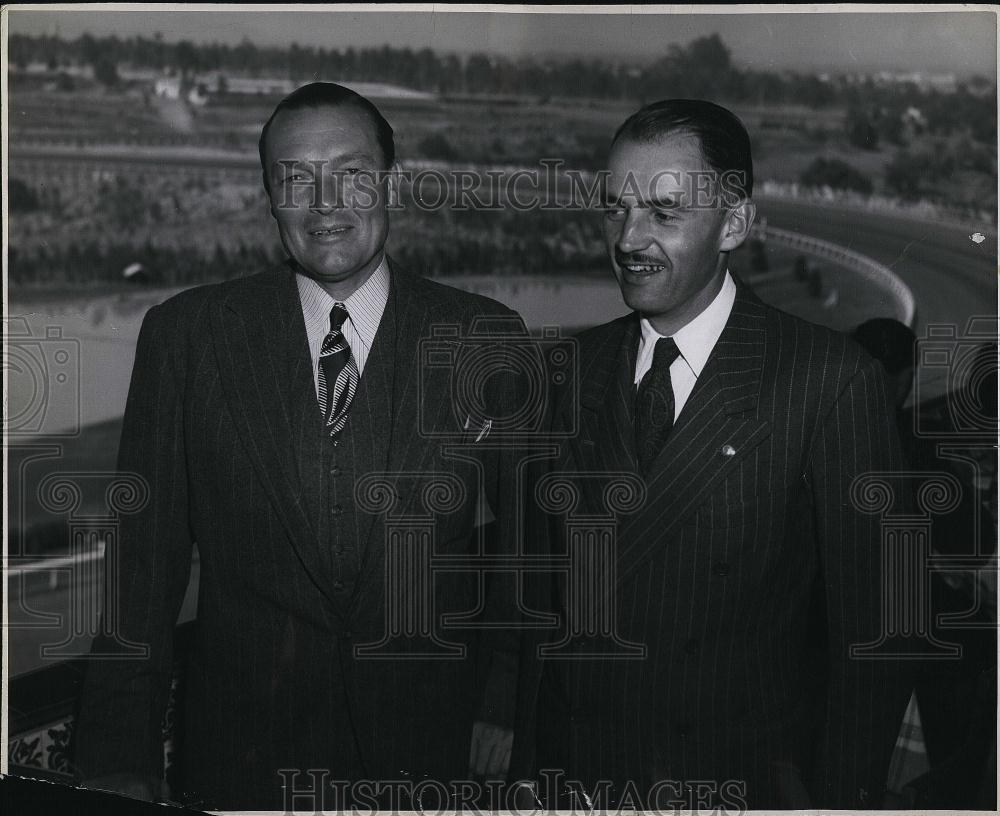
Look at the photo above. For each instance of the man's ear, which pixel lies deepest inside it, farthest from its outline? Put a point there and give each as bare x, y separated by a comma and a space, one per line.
392, 181
267, 192
738, 223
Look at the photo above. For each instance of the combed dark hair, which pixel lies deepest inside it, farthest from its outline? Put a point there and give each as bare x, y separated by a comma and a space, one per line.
724, 140
887, 340
332, 95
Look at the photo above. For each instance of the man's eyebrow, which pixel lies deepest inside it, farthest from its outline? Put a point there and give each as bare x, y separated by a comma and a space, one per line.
352, 157
665, 203
296, 164
290, 164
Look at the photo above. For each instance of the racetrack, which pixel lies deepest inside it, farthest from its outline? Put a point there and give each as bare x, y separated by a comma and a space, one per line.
952, 277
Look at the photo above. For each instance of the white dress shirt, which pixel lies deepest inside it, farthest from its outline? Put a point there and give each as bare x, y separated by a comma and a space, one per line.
364, 313
695, 342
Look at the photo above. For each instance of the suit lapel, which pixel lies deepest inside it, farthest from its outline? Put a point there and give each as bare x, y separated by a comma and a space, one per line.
413, 324
620, 453
717, 427
605, 442
372, 412
264, 367
372, 415
400, 444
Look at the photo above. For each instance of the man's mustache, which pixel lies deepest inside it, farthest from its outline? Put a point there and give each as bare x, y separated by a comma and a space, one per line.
622, 258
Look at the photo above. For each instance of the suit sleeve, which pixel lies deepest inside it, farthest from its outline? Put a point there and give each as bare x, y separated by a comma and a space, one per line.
124, 695
539, 589
509, 393
865, 698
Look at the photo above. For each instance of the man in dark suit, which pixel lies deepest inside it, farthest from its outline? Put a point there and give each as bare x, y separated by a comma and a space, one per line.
287, 424
706, 658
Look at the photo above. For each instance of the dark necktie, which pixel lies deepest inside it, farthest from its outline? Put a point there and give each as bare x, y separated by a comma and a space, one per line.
338, 373
654, 404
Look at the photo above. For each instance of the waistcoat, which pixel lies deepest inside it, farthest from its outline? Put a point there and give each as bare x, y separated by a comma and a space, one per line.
360, 448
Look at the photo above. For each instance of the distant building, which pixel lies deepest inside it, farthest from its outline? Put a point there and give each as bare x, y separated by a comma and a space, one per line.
168, 87
39, 68
942, 83
252, 85
914, 118
176, 88
218, 82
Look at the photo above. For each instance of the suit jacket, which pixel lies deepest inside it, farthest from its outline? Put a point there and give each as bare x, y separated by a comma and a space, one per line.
222, 422
742, 571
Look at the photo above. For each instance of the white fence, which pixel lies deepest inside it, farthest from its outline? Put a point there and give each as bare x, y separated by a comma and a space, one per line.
875, 273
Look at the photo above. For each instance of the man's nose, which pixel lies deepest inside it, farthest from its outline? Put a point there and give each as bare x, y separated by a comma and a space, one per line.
327, 193
633, 236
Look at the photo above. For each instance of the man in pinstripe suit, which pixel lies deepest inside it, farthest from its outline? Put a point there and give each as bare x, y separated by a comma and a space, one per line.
283, 423
741, 581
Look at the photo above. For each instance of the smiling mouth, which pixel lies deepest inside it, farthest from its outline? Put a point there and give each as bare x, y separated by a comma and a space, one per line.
325, 233
642, 269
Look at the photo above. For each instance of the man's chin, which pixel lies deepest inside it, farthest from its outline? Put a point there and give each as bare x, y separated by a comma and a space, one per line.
333, 276
339, 276
331, 270
639, 300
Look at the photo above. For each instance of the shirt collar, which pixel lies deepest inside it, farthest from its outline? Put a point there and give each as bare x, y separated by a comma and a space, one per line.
364, 306
696, 340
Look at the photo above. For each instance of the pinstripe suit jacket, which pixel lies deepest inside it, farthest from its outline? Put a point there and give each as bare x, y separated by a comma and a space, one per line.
746, 574
222, 422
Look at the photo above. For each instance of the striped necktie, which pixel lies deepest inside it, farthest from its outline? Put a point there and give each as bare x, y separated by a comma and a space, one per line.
338, 373
654, 413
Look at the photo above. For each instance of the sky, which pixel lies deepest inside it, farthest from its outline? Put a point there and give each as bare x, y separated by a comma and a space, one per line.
931, 40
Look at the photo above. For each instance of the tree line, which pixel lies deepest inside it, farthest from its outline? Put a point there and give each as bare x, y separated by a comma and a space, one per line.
703, 67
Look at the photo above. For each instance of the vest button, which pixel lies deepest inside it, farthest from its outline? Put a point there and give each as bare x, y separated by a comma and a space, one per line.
338, 550
720, 568
335, 471
337, 510
338, 585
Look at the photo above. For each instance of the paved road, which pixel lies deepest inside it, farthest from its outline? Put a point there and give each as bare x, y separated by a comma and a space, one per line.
952, 277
